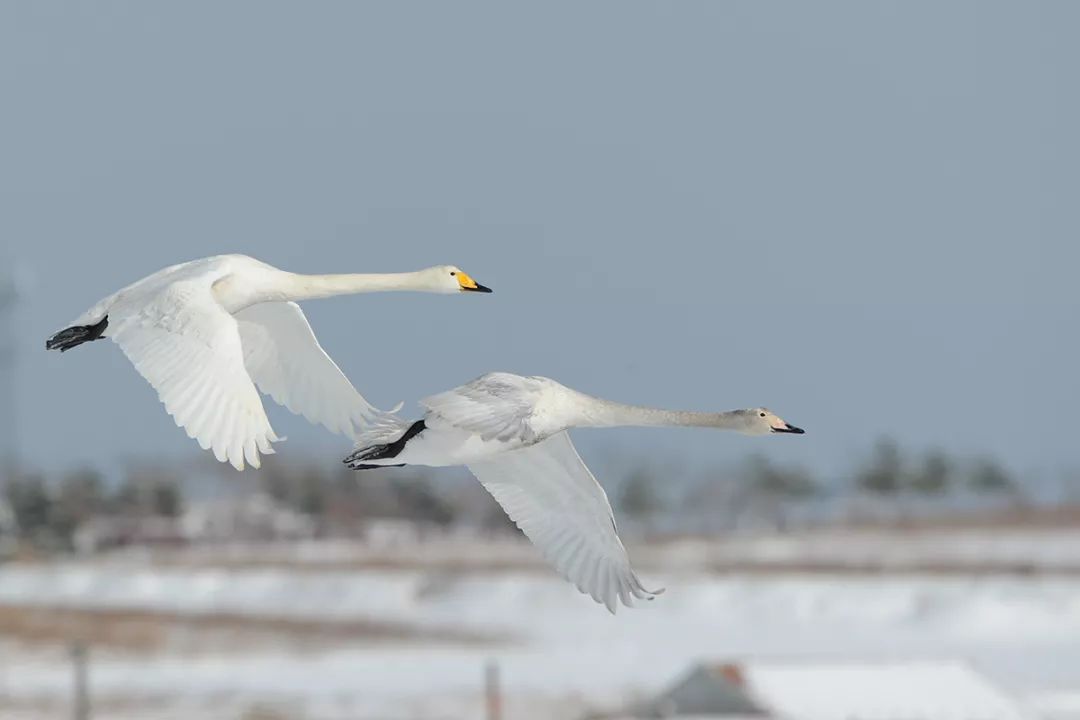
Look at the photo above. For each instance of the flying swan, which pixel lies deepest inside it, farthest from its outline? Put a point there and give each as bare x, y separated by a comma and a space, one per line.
207, 333
511, 432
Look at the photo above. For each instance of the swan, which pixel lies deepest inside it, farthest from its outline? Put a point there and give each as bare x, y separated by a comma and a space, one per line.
511, 432
208, 332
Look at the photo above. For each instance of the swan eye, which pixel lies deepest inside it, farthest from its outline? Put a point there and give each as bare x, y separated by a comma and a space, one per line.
762, 414
452, 274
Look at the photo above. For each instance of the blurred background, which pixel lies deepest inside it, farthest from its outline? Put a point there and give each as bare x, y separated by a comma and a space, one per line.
861, 215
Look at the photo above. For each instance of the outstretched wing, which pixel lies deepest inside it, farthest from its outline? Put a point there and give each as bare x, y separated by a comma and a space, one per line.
496, 406
547, 490
188, 347
288, 364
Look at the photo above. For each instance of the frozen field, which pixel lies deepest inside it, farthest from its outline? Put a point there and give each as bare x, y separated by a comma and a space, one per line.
330, 637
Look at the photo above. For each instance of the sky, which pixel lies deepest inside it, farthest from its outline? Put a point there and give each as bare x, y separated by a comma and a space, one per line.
861, 215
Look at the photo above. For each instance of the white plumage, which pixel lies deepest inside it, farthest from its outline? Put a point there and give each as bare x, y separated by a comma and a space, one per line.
547, 490
209, 334
195, 360
511, 432
287, 363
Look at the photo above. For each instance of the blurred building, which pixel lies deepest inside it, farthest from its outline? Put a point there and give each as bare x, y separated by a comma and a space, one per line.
107, 532
252, 517
830, 690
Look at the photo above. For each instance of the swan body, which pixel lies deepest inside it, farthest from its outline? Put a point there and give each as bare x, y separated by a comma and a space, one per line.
511, 432
211, 333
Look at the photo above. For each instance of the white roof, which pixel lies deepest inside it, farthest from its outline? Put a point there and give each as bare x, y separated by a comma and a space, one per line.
892, 690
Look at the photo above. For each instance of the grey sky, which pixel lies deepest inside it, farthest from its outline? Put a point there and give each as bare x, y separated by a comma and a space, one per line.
862, 215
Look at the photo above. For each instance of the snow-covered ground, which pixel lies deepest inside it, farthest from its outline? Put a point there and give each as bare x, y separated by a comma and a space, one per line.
558, 652
1054, 550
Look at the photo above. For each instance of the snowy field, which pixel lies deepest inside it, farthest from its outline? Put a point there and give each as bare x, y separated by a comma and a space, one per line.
410, 639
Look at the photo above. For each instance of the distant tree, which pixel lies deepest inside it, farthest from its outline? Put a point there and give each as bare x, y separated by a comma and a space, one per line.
126, 499
934, 476
309, 496
345, 505
638, 497
80, 497
275, 481
166, 499
987, 476
418, 500
884, 473
304, 488
770, 489
30, 504
766, 478
148, 491
82, 493
717, 499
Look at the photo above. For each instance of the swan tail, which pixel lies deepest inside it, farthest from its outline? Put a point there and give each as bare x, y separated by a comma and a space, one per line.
77, 335
376, 444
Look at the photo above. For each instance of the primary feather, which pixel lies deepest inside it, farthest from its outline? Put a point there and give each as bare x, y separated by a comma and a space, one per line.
547, 490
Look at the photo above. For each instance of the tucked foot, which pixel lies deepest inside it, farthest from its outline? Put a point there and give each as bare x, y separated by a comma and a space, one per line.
76, 335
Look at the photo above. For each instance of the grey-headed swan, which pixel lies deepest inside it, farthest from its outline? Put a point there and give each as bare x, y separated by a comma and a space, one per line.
511, 432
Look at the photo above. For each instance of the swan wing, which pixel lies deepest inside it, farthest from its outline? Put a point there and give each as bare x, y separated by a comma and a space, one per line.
496, 406
547, 490
287, 363
188, 348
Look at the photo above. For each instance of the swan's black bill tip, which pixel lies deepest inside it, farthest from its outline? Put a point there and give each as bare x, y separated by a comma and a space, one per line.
479, 288
790, 429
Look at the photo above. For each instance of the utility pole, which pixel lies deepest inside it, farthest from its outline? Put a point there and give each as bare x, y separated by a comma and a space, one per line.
492, 691
80, 664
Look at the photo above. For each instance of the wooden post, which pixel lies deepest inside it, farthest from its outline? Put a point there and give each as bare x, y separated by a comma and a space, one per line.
492, 691
80, 705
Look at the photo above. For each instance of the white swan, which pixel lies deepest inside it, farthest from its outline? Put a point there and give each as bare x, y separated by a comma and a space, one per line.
206, 333
511, 432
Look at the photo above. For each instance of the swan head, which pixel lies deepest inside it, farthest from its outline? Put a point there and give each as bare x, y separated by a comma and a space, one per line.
450, 279
763, 421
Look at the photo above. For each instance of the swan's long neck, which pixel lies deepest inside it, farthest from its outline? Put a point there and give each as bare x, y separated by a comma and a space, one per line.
310, 287
605, 413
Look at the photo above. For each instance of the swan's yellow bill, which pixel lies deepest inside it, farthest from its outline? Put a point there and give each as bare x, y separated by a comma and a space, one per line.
467, 283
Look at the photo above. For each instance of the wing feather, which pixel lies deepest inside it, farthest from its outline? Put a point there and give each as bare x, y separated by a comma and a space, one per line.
550, 494
287, 363
496, 406
188, 349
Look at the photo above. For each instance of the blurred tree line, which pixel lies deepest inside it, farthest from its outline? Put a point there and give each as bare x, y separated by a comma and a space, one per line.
47, 513
889, 472
340, 499
763, 492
